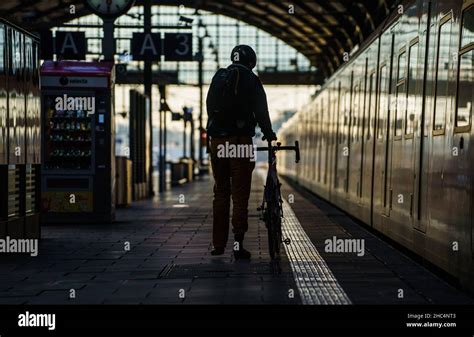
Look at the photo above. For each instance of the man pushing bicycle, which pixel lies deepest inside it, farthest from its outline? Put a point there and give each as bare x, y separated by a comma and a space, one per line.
236, 103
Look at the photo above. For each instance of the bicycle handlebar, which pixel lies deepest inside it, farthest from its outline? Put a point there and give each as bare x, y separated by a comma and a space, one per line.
295, 148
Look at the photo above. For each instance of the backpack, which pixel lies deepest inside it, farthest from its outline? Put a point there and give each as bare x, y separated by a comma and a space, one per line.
227, 99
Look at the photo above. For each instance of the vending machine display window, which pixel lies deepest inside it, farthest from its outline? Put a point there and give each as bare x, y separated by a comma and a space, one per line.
68, 141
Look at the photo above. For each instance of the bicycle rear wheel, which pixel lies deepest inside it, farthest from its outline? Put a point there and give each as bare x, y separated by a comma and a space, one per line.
274, 222
273, 212
274, 238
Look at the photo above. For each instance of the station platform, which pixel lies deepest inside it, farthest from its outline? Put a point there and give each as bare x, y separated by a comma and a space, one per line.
158, 252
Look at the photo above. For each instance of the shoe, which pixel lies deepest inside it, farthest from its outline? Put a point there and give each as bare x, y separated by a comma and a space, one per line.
241, 253
217, 251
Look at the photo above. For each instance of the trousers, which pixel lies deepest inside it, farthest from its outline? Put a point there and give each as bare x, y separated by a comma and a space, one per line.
232, 173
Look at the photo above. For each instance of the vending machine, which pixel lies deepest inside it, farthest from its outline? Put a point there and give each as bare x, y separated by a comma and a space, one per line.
78, 175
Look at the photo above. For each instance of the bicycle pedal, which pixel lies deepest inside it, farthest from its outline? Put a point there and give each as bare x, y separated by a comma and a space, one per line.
287, 241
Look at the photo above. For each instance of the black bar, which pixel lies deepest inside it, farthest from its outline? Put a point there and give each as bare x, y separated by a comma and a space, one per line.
243, 320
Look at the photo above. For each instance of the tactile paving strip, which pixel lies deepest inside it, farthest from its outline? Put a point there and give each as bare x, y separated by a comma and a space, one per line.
315, 281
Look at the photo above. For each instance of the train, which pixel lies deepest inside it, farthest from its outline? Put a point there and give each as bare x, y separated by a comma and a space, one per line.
388, 138
20, 132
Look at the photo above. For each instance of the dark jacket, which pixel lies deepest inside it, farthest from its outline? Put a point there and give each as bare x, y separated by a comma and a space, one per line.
256, 105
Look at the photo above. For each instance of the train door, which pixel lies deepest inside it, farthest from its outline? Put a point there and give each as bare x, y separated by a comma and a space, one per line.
382, 149
369, 138
415, 123
305, 129
299, 129
317, 137
320, 131
363, 114
379, 199
412, 116
342, 147
327, 137
347, 133
335, 116
397, 95
309, 132
354, 163
442, 105
462, 150
426, 66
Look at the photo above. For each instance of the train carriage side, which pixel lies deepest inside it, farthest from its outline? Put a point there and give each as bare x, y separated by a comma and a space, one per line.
448, 205
399, 148
19, 132
3, 132
460, 170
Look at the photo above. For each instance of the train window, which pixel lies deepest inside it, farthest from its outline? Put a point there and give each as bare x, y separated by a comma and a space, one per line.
2, 49
467, 33
342, 117
315, 127
360, 114
411, 90
441, 95
360, 123
371, 104
402, 61
355, 114
465, 90
400, 99
383, 102
400, 109
347, 116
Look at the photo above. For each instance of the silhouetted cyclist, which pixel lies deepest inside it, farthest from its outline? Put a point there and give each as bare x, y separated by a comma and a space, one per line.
236, 102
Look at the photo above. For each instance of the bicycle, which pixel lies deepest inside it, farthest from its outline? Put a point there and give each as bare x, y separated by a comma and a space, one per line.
271, 207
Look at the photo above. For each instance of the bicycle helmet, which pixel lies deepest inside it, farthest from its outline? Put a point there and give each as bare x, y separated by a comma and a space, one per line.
244, 55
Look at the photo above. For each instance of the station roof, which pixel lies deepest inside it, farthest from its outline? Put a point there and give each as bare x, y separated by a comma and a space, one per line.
322, 30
